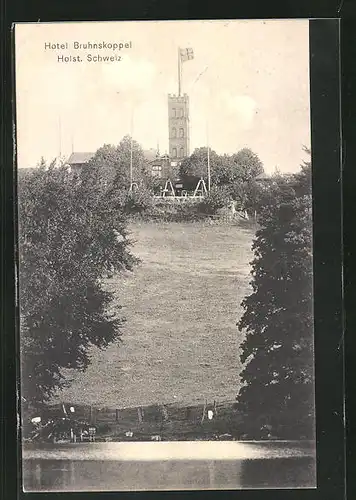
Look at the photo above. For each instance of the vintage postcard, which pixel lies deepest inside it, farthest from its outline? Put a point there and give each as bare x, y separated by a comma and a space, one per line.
165, 255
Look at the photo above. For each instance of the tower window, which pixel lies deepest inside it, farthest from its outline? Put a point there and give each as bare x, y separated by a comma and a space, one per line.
181, 132
174, 132
174, 152
174, 112
181, 112
181, 152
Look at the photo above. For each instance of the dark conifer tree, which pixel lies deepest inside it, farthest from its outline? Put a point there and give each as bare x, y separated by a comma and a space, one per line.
71, 235
277, 396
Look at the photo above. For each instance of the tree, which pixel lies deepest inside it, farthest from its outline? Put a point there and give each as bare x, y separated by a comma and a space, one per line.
277, 351
115, 161
248, 194
71, 233
108, 160
195, 166
237, 170
139, 162
223, 172
247, 165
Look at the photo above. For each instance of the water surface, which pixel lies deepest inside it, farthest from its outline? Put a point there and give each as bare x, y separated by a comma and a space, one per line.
168, 466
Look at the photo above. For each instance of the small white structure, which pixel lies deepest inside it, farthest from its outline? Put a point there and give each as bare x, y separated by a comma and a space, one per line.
168, 189
200, 189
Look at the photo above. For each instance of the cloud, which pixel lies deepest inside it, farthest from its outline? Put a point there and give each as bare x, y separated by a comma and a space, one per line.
241, 105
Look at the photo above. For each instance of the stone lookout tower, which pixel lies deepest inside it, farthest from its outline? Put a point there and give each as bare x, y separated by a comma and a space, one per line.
178, 126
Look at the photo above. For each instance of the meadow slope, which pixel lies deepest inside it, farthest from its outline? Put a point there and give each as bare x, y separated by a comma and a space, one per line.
180, 342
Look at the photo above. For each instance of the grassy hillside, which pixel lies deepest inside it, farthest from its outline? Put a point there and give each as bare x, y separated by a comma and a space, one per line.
180, 342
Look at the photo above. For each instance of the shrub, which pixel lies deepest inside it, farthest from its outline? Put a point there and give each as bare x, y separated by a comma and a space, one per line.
137, 200
217, 198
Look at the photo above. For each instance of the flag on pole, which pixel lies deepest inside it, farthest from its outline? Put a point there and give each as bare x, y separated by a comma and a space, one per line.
186, 54
183, 56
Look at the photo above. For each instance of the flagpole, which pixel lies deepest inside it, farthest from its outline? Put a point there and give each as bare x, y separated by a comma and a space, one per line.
179, 73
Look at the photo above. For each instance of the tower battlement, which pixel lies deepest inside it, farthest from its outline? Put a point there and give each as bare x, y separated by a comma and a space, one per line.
182, 98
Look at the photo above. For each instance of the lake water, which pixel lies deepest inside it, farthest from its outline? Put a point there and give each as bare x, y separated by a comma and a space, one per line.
168, 466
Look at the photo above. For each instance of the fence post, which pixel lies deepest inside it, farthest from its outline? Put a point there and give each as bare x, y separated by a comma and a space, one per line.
139, 414
117, 415
204, 410
164, 412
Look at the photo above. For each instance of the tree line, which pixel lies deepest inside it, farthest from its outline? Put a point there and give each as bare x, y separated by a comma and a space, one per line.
114, 162
233, 177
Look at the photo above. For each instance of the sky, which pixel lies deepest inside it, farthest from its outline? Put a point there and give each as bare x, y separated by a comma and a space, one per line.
248, 86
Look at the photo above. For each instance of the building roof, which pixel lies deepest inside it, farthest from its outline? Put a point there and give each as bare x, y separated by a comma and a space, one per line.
79, 157
159, 160
150, 154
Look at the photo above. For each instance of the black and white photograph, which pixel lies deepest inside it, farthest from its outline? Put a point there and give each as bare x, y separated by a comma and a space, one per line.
165, 256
